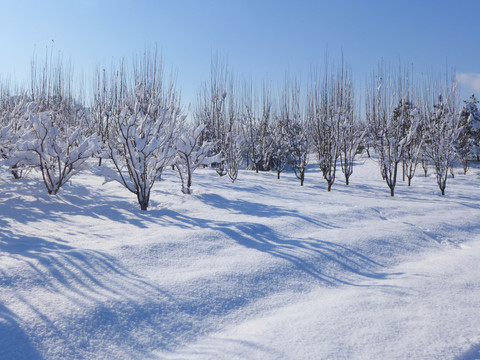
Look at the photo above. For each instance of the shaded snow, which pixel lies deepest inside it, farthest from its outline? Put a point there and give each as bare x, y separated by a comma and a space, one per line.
258, 269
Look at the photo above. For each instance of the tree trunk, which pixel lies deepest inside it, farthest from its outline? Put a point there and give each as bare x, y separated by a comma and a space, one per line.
143, 201
16, 174
465, 167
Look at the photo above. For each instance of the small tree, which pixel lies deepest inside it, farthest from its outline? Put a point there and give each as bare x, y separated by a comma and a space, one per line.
52, 134
412, 137
297, 135
145, 116
191, 154
442, 129
60, 151
217, 109
281, 148
299, 149
234, 154
350, 132
468, 144
257, 117
390, 127
13, 115
325, 106
101, 111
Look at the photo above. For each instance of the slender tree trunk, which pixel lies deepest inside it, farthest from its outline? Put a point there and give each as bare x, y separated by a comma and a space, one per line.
143, 201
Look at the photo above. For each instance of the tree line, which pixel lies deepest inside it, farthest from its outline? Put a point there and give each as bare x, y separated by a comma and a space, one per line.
136, 126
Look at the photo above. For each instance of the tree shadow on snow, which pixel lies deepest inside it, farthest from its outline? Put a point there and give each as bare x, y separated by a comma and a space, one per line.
325, 261
104, 289
88, 278
256, 209
73, 200
14, 342
473, 353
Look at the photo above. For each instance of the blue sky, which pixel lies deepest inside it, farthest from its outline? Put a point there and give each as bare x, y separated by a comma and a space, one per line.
260, 39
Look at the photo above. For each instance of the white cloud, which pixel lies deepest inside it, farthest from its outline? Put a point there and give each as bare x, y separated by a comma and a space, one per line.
469, 79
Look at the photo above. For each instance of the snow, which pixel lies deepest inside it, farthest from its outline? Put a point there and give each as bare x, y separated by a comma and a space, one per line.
258, 269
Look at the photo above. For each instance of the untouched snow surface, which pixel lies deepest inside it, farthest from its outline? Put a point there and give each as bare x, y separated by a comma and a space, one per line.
258, 269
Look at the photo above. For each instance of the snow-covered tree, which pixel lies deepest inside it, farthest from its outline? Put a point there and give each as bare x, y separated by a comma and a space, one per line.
442, 129
281, 146
233, 143
385, 132
101, 120
145, 116
468, 144
191, 153
413, 143
217, 109
290, 135
392, 123
13, 112
57, 149
298, 135
51, 132
350, 131
257, 115
234, 153
324, 109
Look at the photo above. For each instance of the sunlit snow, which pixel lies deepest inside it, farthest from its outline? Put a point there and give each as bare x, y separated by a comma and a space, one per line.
258, 269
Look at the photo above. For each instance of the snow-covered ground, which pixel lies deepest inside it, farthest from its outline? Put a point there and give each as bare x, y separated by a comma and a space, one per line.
258, 269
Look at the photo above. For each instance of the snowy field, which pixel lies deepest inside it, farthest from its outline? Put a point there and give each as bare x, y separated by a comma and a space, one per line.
258, 269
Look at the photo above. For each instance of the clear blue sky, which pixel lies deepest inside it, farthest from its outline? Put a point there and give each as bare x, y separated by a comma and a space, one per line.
260, 38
